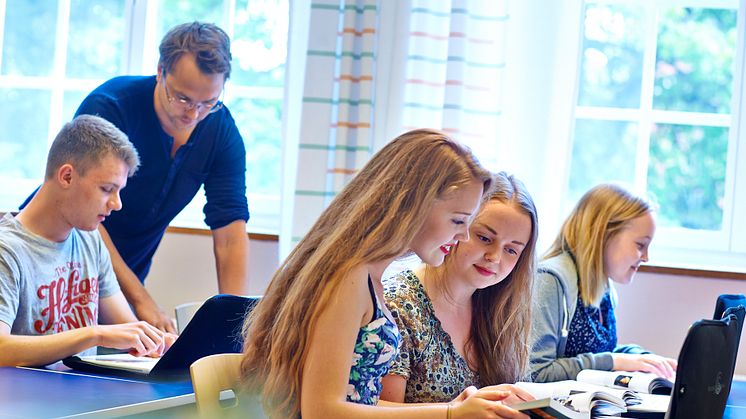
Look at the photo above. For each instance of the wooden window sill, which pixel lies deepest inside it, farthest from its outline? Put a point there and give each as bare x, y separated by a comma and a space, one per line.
701, 273
207, 232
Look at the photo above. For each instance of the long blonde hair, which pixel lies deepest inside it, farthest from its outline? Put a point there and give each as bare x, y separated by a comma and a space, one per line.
373, 218
599, 215
501, 314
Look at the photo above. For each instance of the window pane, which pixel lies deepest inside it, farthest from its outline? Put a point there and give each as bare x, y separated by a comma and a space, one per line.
95, 50
174, 12
259, 43
24, 113
259, 123
602, 151
71, 102
687, 174
28, 44
612, 54
259, 49
694, 69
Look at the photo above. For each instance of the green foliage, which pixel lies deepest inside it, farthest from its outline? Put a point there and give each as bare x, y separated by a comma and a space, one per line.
687, 174
694, 69
694, 73
611, 64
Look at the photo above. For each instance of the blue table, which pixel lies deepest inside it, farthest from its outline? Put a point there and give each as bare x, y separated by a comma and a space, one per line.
40, 393
736, 407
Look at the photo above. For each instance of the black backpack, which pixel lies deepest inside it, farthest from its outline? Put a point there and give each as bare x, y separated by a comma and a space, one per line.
705, 369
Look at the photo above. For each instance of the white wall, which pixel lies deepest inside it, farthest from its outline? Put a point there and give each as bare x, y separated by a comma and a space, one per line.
184, 269
655, 311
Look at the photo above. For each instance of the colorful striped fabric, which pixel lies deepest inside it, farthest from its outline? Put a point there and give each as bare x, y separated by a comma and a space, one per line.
453, 75
337, 114
454, 69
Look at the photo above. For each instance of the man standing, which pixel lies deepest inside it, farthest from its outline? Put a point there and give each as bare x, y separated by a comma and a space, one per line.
186, 138
56, 278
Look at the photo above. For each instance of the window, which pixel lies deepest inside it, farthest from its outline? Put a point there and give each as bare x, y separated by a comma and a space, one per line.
657, 107
44, 78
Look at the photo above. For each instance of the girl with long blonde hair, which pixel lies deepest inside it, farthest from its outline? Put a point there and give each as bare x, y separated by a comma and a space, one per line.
320, 340
466, 322
603, 241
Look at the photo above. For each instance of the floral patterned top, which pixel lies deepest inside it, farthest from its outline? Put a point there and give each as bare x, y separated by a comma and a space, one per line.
587, 333
434, 370
376, 347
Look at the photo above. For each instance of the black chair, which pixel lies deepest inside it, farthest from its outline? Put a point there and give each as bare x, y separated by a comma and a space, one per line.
726, 301
705, 371
729, 303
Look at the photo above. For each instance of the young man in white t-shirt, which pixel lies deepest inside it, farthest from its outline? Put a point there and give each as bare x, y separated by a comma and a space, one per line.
58, 293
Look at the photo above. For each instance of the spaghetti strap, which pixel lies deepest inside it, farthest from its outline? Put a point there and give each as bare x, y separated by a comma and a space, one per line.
376, 347
376, 310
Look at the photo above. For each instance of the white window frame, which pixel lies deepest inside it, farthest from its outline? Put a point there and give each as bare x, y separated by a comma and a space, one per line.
721, 250
141, 57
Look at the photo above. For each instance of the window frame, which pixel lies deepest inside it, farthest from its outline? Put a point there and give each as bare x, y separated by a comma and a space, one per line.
140, 56
704, 250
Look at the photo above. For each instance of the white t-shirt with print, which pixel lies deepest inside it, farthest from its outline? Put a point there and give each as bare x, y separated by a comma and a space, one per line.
48, 287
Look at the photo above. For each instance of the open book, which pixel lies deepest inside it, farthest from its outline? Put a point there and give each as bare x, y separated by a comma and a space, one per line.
596, 400
640, 382
549, 408
581, 398
576, 406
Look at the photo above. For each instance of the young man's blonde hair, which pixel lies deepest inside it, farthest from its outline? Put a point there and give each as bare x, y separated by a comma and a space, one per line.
501, 314
599, 215
87, 139
373, 218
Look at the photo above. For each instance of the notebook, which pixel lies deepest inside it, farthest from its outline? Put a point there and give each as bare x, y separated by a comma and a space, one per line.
215, 328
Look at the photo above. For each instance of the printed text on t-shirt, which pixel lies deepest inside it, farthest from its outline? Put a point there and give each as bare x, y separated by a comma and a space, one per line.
71, 302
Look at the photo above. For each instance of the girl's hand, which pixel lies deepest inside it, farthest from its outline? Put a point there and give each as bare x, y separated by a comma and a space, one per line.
517, 394
483, 403
656, 364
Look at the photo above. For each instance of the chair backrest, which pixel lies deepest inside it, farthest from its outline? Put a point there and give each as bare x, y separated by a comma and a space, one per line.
705, 370
726, 301
214, 374
184, 313
210, 376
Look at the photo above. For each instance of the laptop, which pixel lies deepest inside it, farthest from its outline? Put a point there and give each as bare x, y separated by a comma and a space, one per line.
215, 328
705, 371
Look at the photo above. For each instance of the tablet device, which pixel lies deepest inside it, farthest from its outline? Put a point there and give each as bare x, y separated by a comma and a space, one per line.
215, 328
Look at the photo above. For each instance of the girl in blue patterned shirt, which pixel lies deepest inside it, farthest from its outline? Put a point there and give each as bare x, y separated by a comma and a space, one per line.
320, 340
603, 241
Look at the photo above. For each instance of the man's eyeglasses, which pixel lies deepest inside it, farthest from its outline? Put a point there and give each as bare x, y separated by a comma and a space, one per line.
187, 104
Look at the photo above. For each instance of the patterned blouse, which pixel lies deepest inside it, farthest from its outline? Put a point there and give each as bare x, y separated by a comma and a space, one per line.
376, 347
587, 334
434, 370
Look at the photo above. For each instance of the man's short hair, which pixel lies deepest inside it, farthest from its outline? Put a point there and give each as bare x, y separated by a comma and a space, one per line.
208, 43
85, 141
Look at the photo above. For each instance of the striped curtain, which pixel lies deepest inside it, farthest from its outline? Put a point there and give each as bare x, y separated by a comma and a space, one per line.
336, 120
454, 71
452, 77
